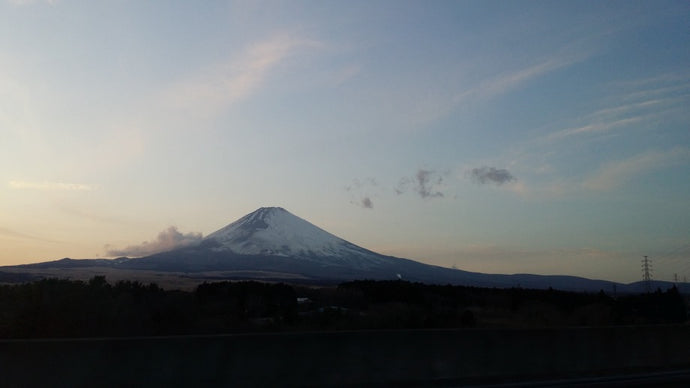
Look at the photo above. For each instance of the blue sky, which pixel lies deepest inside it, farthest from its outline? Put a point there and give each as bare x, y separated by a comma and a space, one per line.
504, 137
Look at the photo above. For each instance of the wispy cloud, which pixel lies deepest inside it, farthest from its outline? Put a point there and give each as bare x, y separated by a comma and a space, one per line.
649, 100
615, 174
538, 158
601, 126
622, 109
31, 2
654, 85
429, 99
168, 239
679, 88
507, 81
608, 177
51, 186
10, 233
426, 183
226, 83
341, 76
631, 108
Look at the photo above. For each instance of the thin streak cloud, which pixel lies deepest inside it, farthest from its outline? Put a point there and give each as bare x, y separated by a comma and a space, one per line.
51, 186
507, 81
618, 110
9, 233
609, 176
595, 127
226, 83
418, 107
615, 174
623, 107
20, 3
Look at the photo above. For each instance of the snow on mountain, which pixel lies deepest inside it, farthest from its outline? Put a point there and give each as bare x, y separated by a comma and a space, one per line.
275, 231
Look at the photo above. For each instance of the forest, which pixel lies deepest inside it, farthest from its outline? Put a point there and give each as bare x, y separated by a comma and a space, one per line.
59, 308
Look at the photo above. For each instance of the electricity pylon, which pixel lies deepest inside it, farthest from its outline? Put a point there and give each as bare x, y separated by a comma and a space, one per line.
647, 273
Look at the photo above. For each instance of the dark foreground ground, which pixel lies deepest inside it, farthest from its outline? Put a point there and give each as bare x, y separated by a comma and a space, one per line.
610, 356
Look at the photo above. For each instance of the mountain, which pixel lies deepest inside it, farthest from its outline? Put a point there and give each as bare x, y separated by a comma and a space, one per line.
273, 231
273, 244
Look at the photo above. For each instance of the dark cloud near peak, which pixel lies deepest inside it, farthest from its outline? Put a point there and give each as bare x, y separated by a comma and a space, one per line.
168, 239
364, 202
403, 185
484, 175
361, 192
426, 183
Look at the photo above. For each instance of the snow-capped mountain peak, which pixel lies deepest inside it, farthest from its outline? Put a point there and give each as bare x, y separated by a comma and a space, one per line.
275, 231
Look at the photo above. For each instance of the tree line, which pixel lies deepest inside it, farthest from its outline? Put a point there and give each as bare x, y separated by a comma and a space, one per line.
52, 308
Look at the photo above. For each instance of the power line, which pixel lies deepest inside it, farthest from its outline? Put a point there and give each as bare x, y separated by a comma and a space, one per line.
675, 259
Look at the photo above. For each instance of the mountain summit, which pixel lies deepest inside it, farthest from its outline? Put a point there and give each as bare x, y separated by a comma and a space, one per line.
277, 232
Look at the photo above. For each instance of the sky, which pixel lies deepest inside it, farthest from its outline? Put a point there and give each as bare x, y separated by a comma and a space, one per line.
546, 137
